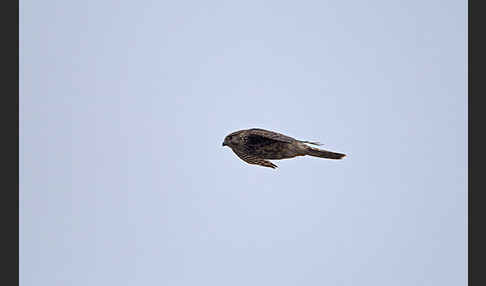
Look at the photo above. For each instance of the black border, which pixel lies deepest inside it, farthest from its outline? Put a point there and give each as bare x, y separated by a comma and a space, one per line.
476, 192
10, 114
10, 81
475, 49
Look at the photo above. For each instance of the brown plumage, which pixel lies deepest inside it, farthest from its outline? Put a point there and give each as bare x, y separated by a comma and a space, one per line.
256, 146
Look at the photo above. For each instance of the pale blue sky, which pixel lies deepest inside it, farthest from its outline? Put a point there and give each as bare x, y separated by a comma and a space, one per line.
124, 106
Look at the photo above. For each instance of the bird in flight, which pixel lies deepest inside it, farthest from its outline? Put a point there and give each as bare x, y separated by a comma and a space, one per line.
257, 146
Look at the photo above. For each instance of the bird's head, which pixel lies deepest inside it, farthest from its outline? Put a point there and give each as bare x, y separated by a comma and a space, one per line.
232, 139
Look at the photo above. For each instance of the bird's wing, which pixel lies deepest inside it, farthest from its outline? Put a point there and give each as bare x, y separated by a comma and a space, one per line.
250, 159
261, 135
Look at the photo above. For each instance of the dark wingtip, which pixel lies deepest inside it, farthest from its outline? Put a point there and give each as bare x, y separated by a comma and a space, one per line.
273, 166
341, 156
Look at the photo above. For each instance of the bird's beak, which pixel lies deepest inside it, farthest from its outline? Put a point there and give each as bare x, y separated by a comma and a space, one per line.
223, 144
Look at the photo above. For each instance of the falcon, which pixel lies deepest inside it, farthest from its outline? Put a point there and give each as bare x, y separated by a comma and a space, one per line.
257, 146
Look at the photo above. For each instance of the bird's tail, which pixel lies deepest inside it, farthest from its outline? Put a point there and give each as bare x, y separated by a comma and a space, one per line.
323, 153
